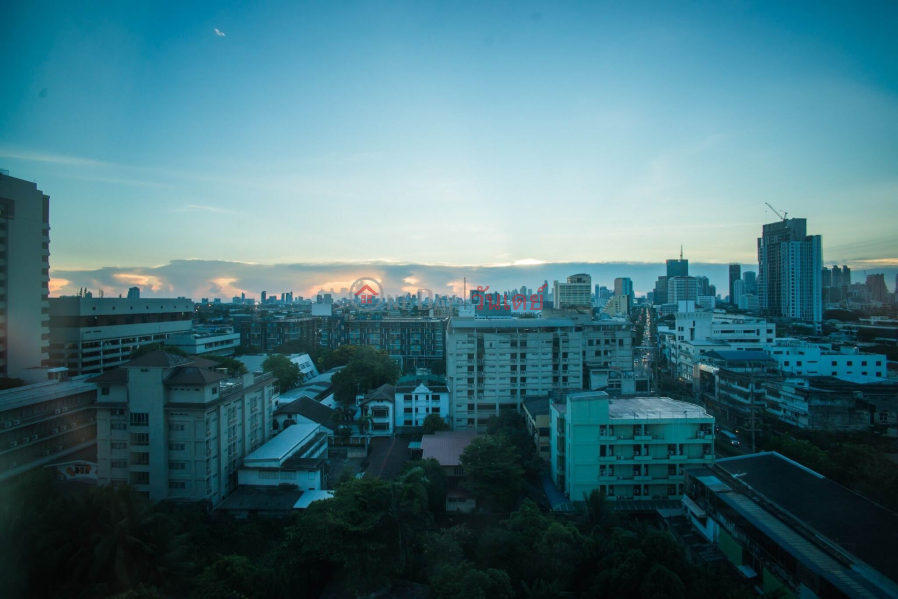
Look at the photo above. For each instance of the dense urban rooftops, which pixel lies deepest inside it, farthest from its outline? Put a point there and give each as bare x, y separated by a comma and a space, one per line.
44, 391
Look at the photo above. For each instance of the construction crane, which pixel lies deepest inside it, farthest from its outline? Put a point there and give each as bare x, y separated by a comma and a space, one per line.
782, 216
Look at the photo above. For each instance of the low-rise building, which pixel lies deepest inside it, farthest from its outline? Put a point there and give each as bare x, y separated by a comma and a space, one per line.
304, 410
295, 457
45, 422
177, 430
538, 419
792, 531
628, 448
446, 447
270, 333
91, 335
376, 408
205, 341
412, 342
417, 396
820, 359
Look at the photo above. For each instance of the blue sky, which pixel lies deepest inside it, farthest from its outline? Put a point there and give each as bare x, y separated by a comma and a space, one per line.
450, 133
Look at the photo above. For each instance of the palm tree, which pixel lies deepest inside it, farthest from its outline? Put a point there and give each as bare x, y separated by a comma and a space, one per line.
365, 422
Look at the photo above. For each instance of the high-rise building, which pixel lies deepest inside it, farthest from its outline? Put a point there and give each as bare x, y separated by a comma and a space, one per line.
735, 275
494, 364
409, 341
264, 296
681, 289
703, 285
790, 263
678, 268
660, 295
174, 428
575, 293
623, 286
738, 292
24, 275
134, 293
750, 280
90, 335
876, 287
846, 276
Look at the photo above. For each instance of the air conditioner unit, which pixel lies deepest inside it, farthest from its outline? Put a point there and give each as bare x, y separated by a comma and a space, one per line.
620, 478
55, 430
14, 444
57, 411
7, 424
63, 427
34, 437
81, 440
46, 452
701, 434
620, 457
65, 409
17, 422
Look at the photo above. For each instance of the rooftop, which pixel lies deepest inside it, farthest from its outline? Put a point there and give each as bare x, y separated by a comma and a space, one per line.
191, 375
446, 447
653, 407
857, 525
158, 359
283, 444
385, 392
387, 458
739, 356
311, 409
43, 391
309, 496
537, 407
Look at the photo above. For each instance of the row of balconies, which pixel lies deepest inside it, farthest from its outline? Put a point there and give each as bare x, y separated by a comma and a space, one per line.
671, 456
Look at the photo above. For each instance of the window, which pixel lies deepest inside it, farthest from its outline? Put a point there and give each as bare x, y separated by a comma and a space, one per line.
118, 464
140, 438
268, 474
176, 446
176, 427
140, 419
140, 478
177, 466
104, 390
119, 445
177, 484
118, 426
140, 459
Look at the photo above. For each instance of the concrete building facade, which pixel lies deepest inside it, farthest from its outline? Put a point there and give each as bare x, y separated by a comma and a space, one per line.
24, 276
90, 335
176, 430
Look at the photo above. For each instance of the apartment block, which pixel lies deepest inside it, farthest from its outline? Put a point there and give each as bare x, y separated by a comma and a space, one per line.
790, 264
205, 340
24, 276
412, 342
177, 430
626, 448
577, 292
820, 359
495, 364
417, 396
270, 333
44, 422
91, 335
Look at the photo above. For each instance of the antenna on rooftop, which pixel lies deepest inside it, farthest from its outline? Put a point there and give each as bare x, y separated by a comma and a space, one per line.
681, 251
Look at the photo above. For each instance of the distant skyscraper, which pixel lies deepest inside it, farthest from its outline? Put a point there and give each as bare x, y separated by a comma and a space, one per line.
735, 275
681, 289
660, 295
790, 263
876, 287
576, 292
24, 276
846, 276
678, 268
750, 279
264, 295
703, 285
134, 293
623, 286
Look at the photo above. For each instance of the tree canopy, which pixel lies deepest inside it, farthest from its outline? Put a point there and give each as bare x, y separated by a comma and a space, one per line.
368, 368
286, 372
434, 423
492, 470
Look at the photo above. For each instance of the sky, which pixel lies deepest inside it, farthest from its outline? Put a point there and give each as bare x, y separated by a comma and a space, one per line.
311, 141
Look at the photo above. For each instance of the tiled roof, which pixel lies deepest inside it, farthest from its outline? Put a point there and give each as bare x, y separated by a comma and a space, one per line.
117, 376
388, 456
191, 375
446, 447
311, 409
158, 359
385, 392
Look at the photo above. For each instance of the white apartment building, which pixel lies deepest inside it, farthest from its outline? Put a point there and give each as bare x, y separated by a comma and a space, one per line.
417, 396
628, 448
802, 292
699, 332
90, 335
681, 289
576, 292
44, 422
24, 276
203, 341
820, 359
618, 305
498, 364
177, 430
294, 457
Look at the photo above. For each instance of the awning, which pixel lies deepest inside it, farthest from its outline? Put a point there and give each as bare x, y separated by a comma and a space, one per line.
697, 511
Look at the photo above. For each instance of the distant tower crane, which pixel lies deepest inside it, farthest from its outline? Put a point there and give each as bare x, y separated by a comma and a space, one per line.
782, 216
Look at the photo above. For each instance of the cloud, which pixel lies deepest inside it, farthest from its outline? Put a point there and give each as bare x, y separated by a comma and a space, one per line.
218, 33
219, 278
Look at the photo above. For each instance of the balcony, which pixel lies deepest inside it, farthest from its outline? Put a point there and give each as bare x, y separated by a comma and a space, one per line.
642, 458
606, 437
677, 457
610, 458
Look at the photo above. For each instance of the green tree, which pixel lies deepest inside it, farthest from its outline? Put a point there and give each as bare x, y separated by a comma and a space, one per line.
243, 350
10, 383
151, 347
365, 421
434, 423
434, 481
331, 358
230, 577
234, 366
465, 581
368, 368
492, 469
286, 372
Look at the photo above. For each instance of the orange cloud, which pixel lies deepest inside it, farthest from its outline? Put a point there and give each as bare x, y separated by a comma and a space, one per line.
154, 283
57, 285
